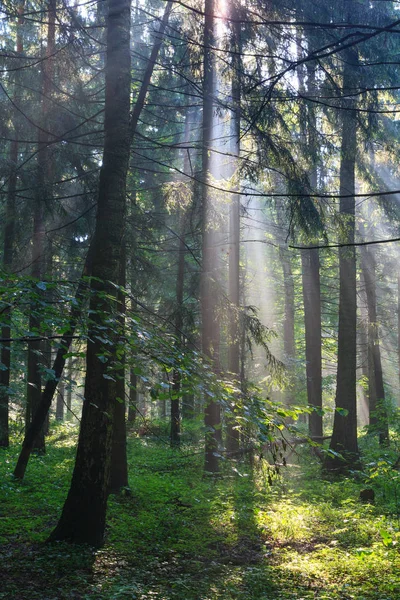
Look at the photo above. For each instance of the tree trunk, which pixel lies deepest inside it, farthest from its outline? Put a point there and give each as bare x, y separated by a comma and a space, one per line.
69, 389
344, 436
232, 429
312, 320
208, 293
289, 347
8, 253
84, 512
398, 326
378, 420
60, 402
34, 382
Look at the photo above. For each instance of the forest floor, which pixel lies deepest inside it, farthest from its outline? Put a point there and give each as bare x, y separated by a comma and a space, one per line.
181, 536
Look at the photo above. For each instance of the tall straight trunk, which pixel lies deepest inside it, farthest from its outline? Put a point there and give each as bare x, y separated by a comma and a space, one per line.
8, 252
398, 323
34, 383
289, 348
119, 462
362, 345
232, 429
312, 320
344, 436
84, 513
208, 292
310, 258
49, 295
378, 420
60, 402
69, 389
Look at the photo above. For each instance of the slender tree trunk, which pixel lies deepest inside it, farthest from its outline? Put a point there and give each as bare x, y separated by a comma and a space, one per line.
34, 383
377, 416
232, 428
289, 347
60, 402
208, 291
8, 253
363, 352
310, 258
312, 318
69, 389
84, 512
398, 327
344, 436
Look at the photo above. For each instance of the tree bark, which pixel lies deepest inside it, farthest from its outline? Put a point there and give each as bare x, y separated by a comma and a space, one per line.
312, 320
34, 380
378, 421
289, 347
232, 428
8, 253
208, 292
60, 402
344, 436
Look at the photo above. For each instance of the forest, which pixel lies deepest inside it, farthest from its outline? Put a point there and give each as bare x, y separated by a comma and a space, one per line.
199, 300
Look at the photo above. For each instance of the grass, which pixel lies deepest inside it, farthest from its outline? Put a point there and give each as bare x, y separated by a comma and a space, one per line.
185, 537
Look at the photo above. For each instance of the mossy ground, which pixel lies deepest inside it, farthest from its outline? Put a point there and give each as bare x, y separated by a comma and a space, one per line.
181, 536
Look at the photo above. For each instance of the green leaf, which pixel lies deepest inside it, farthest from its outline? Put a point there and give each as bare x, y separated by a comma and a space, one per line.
342, 411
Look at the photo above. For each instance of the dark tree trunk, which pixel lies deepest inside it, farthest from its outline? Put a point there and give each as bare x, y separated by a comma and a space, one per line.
35, 348
398, 325
60, 402
232, 429
363, 353
344, 436
312, 320
289, 347
8, 253
377, 411
208, 292
310, 258
69, 389
84, 512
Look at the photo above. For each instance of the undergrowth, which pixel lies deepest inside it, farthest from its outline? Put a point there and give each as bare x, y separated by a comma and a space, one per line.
178, 535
